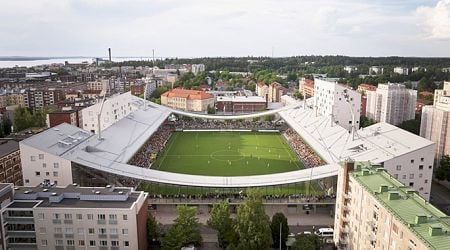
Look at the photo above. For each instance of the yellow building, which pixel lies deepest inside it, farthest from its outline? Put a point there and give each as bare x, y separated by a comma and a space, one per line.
188, 100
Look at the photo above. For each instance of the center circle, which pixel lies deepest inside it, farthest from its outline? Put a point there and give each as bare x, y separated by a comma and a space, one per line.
226, 155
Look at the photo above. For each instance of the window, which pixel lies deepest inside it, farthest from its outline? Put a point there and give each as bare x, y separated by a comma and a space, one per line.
113, 231
103, 243
70, 242
58, 230
59, 242
115, 243
411, 184
90, 216
81, 243
125, 231
411, 176
101, 217
126, 243
113, 216
56, 216
38, 173
27, 181
44, 242
125, 217
69, 230
422, 159
399, 167
412, 161
80, 230
91, 231
426, 181
32, 158
44, 165
404, 177
47, 174
92, 243
420, 175
67, 216
79, 216
102, 231
56, 165
429, 167
55, 174
41, 156
42, 230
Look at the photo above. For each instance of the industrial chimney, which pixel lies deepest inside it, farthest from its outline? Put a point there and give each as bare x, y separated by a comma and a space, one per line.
109, 51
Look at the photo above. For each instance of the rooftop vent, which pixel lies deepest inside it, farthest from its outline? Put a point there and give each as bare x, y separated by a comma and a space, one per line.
383, 188
26, 191
16, 188
420, 219
97, 192
435, 230
74, 184
54, 194
44, 190
108, 186
365, 172
120, 192
393, 195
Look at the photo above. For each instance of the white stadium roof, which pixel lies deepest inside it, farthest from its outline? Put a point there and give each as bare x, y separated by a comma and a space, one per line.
123, 139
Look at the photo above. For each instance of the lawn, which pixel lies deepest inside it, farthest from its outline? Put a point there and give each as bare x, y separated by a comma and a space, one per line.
227, 154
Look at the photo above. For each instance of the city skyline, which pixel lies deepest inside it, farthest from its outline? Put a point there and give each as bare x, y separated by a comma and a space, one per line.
225, 28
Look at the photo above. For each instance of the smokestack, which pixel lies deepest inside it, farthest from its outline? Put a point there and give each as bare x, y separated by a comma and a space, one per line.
109, 52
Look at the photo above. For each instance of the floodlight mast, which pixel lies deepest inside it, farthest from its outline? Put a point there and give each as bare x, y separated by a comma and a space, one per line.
99, 118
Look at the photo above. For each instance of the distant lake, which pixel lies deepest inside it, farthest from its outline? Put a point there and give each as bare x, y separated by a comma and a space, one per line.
31, 63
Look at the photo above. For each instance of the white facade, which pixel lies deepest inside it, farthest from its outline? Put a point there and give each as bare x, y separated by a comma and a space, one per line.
102, 85
114, 109
376, 70
40, 166
391, 103
350, 69
197, 68
401, 70
338, 102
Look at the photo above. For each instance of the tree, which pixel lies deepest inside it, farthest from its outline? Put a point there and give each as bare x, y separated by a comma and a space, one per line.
152, 229
6, 124
221, 221
443, 171
22, 119
278, 220
298, 95
252, 224
184, 231
307, 242
364, 121
412, 126
210, 110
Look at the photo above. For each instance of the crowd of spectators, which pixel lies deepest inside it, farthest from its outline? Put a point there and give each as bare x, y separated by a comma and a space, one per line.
239, 124
304, 152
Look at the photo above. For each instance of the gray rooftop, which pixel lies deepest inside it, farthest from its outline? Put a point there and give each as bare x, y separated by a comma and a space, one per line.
8, 147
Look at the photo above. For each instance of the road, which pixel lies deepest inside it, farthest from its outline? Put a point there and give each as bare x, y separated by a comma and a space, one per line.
440, 197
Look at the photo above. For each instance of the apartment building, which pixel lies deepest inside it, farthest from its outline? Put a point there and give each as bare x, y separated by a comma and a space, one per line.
102, 85
275, 91
306, 87
375, 211
240, 104
401, 71
188, 100
262, 90
114, 109
46, 217
435, 124
11, 99
376, 70
392, 103
10, 164
39, 98
337, 101
70, 116
197, 68
350, 69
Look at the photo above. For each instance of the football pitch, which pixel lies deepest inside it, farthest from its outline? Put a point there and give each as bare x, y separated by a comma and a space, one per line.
227, 154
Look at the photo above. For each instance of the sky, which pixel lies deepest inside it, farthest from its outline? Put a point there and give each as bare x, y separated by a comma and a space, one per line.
197, 28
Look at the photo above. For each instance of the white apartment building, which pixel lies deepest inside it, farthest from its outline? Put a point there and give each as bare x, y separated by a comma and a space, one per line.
114, 109
377, 70
391, 103
350, 69
338, 102
375, 211
46, 217
197, 68
262, 90
435, 124
401, 71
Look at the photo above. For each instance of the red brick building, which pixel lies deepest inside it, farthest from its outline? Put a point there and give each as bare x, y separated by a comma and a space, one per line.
240, 104
72, 117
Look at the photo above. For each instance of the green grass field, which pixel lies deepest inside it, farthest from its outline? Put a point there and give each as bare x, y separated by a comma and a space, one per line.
227, 154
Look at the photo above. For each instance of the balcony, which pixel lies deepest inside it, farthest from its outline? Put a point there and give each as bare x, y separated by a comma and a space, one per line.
56, 221
345, 218
113, 236
70, 247
59, 235
19, 220
69, 236
101, 222
113, 222
102, 236
68, 221
29, 234
22, 246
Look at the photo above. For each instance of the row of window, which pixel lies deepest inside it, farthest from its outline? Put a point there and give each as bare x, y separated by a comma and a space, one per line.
81, 231
80, 216
55, 173
91, 243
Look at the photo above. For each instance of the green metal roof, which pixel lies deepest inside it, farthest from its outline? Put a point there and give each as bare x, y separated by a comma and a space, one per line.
407, 206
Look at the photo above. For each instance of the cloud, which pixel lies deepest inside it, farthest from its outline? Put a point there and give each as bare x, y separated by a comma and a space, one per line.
435, 21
